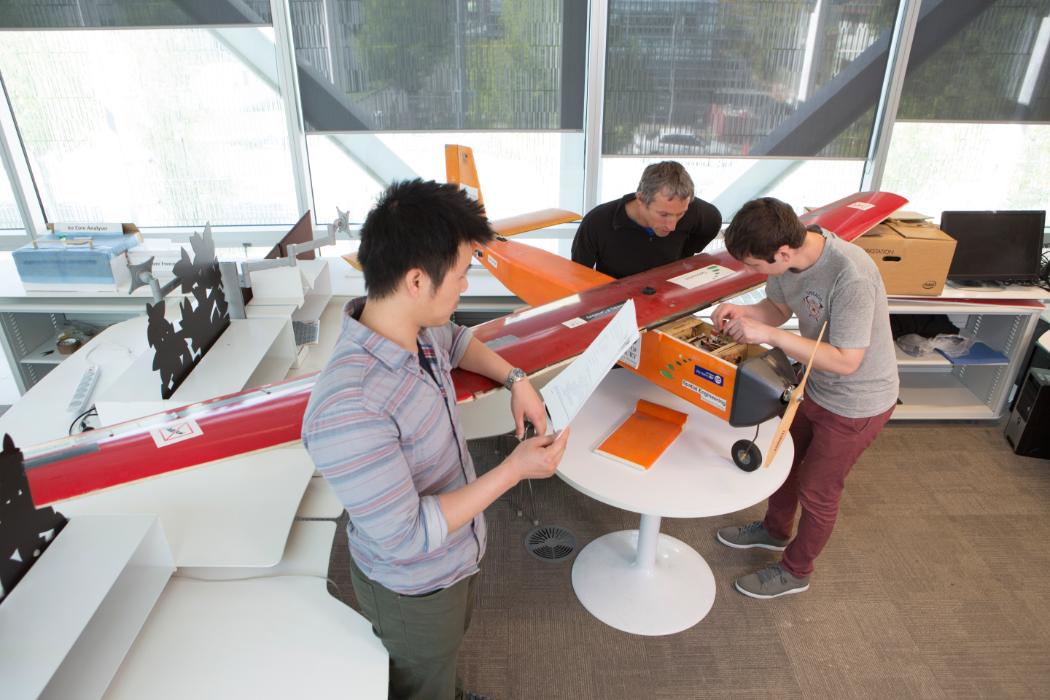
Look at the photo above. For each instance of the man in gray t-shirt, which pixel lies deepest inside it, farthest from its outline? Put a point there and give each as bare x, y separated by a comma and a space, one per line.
851, 391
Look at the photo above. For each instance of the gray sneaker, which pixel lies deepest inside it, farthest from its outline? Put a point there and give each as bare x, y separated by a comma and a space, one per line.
749, 536
771, 582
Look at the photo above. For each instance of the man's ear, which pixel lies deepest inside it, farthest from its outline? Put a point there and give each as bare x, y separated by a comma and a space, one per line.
784, 253
415, 281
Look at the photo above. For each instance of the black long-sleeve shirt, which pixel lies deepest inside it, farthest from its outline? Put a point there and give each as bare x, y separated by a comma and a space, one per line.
613, 243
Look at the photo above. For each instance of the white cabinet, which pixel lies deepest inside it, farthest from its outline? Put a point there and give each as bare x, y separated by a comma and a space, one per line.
934, 388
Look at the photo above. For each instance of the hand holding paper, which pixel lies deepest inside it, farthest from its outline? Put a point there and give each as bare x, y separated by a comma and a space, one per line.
538, 457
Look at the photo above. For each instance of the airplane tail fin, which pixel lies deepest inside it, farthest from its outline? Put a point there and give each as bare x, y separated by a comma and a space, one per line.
536, 276
460, 170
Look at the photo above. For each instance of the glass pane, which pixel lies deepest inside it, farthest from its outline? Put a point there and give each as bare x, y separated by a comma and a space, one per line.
383, 65
10, 218
979, 62
941, 167
157, 127
792, 78
730, 182
58, 14
519, 172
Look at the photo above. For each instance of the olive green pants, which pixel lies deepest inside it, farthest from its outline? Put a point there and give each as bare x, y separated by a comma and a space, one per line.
421, 633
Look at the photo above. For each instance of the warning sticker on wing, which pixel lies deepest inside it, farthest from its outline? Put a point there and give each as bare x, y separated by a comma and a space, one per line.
704, 275
863, 206
176, 431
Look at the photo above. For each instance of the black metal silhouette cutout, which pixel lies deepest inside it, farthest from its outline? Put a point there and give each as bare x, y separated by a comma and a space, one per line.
25, 531
205, 315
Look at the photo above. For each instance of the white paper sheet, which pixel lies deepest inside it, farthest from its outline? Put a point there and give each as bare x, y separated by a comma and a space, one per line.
566, 393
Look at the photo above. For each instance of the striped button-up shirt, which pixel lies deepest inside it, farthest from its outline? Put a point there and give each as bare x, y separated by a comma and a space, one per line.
387, 438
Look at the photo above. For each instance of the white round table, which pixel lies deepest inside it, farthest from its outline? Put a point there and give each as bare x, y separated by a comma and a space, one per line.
641, 581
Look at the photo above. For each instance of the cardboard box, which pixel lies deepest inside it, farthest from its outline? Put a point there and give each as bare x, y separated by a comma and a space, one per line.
912, 256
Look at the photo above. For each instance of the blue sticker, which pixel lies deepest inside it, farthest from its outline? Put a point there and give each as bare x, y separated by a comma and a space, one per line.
707, 374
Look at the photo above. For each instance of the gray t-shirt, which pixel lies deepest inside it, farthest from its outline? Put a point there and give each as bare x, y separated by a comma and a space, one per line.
845, 289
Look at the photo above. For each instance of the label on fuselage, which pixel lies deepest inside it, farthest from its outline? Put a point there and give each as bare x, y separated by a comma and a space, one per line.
705, 275
601, 313
706, 396
633, 355
713, 377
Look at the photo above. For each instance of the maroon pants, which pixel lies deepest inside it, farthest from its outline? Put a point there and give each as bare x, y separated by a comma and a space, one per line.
826, 447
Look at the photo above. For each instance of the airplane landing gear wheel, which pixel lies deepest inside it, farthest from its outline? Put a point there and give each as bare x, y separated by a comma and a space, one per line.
746, 455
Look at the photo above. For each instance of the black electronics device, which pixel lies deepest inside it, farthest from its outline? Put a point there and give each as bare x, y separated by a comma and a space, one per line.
995, 246
1028, 430
1035, 356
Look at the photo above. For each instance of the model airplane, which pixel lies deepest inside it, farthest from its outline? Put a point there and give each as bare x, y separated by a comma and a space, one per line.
570, 306
744, 385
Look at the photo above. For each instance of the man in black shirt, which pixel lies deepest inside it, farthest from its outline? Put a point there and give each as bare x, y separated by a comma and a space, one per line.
660, 223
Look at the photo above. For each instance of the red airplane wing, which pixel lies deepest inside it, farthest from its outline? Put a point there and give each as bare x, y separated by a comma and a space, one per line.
537, 338
532, 339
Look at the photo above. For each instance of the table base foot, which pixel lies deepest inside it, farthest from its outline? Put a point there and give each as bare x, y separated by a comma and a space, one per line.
671, 595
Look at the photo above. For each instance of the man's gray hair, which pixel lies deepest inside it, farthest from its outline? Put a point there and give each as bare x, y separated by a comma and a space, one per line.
667, 177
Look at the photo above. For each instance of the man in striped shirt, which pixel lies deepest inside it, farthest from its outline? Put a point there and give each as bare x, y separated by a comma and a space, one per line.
382, 426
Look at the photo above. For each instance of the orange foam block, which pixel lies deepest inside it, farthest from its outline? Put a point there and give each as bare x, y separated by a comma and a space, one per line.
643, 437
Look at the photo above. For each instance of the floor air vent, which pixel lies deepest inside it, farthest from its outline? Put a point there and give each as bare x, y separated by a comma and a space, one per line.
550, 543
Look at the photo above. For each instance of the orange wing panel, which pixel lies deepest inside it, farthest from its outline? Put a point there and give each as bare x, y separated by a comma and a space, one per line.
536, 276
354, 262
514, 225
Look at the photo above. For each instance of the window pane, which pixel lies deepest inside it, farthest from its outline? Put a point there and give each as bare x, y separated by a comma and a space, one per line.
730, 182
793, 78
382, 65
519, 172
941, 167
972, 67
57, 14
10, 218
979, 62
156, 127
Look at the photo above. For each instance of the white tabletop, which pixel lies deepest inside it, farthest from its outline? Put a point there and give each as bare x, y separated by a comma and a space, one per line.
695, 477
230, 513
280, 637
953, 290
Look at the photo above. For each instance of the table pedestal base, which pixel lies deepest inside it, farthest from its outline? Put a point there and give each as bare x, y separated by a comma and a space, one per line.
642, 582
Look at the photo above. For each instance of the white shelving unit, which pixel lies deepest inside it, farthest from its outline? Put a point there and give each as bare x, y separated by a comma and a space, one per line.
31, 337
932, 388
100, 616
30, 322
70, 622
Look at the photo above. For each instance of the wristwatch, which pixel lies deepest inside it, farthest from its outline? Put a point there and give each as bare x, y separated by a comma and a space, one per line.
516, 375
